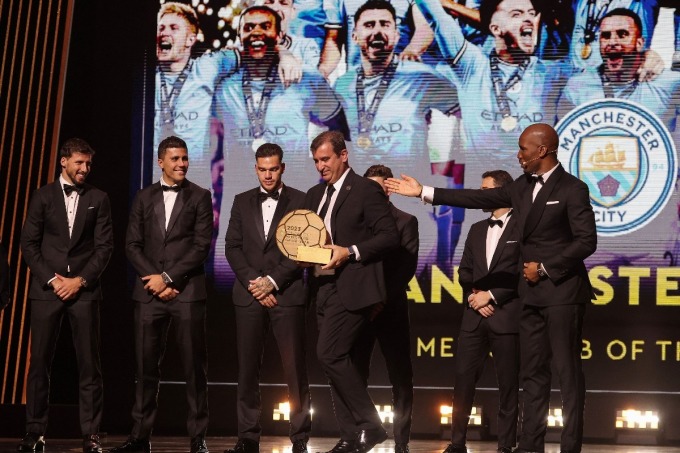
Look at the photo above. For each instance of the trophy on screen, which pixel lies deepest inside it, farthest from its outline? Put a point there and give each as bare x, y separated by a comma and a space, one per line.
301, 235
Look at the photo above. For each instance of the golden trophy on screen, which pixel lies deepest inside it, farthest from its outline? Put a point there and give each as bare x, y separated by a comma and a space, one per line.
301, 235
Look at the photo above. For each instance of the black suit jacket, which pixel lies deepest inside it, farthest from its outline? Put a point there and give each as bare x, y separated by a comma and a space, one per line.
557, 229
400, 264
501, 277
48, 249
181, 250
360, 217
251, 256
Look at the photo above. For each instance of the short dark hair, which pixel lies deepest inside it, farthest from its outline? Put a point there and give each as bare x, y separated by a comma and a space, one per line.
269, 150
335, 138
500, 177
487, 9
378, 171
375, 4
624, 12
75, 145
170, 142
262, 9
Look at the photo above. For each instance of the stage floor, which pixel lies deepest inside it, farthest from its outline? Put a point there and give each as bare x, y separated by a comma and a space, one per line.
282, 445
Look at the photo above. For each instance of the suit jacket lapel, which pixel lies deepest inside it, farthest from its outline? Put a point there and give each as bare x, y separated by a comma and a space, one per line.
281, 210
256, 209
502, 241
159, 206
60, 210
182, 195
81, 212
342, 196
538, 206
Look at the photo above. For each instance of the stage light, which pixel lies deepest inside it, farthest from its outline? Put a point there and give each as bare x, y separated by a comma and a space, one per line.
642, 427
634, 419
445, 412
386, 413
555, 419
282, 412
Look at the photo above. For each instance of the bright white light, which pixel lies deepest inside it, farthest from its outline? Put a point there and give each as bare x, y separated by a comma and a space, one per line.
635, 419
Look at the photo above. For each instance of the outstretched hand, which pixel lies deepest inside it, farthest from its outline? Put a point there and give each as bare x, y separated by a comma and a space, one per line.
406, 186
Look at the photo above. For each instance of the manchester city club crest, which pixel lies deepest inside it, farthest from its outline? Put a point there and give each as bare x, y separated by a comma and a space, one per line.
626, 156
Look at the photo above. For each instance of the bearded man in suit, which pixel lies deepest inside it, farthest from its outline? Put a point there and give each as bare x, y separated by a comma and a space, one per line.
67, 241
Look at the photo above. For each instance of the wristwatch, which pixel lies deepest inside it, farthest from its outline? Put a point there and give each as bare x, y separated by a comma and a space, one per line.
541, 272
166, 278
351, 253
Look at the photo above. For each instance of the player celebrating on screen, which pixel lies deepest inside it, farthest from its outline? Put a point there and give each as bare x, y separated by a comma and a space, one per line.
386, 101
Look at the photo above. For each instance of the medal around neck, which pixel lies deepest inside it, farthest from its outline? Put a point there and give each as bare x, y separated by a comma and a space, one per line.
586, 50
300, 236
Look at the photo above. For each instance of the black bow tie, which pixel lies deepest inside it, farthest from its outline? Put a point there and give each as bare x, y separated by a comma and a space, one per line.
534, 178
264, 195
494, 222
174, 188
69, 189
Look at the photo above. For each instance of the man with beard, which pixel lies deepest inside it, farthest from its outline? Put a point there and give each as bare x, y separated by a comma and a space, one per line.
503, 92
254, 107
387, 102
622, 47
67, 241
558, 233
412, 40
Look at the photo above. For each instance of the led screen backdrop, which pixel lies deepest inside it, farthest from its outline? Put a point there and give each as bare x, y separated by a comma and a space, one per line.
450, 105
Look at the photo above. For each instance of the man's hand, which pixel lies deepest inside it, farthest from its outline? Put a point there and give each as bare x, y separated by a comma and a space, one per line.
531, 272
290, 68
168, 294
651, 67
339, 256
66, 288
480, 301
407, 186
154, 284
268, 301
261, 287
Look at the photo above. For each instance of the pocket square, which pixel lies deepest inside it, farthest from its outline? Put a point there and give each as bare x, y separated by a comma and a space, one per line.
90, 207
552, 202
511, 242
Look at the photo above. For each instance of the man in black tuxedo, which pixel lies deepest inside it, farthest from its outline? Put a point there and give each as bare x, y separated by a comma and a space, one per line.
168, 239
557, 226
390, 324
268, 292
5, 293
66, 241
362, 230
489, 274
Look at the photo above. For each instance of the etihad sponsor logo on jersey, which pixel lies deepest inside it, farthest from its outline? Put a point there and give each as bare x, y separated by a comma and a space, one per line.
626, 156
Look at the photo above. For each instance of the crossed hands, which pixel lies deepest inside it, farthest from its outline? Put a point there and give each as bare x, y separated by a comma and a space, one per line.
262, 288
480, 301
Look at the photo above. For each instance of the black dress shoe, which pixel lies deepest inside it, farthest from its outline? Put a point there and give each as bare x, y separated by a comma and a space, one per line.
455, 449
32, 442
401, 448
300, 446
92, 444
369, 438
344, 446
198, 445
245, 446
132, 444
